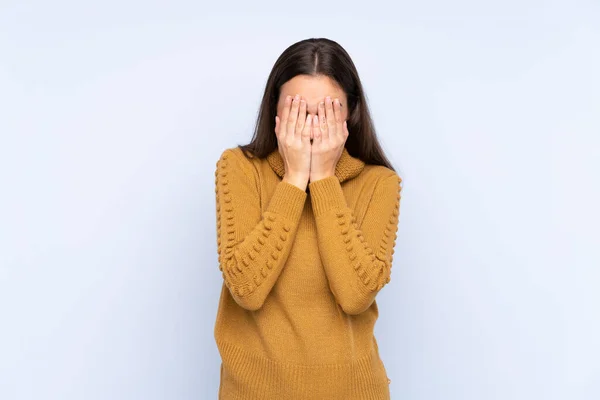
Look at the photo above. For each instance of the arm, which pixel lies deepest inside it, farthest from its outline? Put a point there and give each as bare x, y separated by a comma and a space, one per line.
252, 248
357, 262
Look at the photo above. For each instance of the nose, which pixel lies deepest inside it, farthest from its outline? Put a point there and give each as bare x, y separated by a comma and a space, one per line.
311, 109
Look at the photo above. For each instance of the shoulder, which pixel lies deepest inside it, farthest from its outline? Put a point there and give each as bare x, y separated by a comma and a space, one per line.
381, 175
385, 185
234, 159
233, 154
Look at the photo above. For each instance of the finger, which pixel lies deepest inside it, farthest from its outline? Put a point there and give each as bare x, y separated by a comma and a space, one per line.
339, 122
316, 129
306, 129
331, 127
301, 116
323, 120
346, 133
293, 117
284, 116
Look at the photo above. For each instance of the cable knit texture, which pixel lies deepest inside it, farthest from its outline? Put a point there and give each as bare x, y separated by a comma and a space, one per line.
301, 271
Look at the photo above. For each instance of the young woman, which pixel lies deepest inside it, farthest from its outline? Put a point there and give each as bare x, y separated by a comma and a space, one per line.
307, 216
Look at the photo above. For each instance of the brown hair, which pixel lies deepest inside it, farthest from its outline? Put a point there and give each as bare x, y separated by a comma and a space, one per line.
318, 56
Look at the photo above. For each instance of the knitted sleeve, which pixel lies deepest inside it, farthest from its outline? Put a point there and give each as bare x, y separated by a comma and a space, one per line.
357, 260
252, 248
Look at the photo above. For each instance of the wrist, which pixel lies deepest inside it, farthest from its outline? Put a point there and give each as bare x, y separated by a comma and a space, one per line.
320, 175
298, 180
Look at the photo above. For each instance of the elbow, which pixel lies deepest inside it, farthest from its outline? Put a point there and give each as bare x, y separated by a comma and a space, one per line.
354, 309
355, 303
362, 298
244, 291
250, 303
246, 296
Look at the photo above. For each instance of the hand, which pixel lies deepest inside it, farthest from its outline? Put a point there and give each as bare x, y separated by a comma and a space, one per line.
329, 138
293, 140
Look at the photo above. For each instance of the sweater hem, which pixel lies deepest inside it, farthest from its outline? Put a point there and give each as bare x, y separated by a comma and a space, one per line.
250, 376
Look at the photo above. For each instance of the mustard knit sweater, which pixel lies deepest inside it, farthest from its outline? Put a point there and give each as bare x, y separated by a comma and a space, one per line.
297, 309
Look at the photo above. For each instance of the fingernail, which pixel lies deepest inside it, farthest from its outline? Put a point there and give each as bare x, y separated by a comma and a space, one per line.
328, 98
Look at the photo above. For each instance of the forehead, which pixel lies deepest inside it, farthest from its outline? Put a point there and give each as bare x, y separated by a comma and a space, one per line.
312, 88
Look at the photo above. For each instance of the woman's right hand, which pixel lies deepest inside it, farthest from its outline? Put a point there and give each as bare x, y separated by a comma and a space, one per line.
293, 139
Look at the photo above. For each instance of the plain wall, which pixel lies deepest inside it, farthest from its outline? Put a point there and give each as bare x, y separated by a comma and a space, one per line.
112, 118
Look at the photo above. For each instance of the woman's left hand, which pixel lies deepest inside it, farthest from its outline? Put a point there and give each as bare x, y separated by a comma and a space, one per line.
330, 132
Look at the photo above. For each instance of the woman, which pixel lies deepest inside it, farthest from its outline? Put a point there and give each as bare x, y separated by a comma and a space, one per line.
307, 216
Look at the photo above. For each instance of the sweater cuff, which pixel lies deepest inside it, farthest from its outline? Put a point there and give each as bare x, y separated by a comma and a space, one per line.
326, 194
287, 200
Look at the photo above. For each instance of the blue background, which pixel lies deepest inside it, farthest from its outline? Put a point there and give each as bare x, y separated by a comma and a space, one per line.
112, 118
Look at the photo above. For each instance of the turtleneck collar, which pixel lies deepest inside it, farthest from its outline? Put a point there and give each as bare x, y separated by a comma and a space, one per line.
347, 167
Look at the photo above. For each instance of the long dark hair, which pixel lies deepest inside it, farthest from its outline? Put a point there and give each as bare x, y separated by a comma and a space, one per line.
314, 57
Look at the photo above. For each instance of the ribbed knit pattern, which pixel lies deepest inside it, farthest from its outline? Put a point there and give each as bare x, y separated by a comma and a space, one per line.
301, 271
